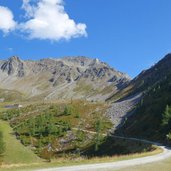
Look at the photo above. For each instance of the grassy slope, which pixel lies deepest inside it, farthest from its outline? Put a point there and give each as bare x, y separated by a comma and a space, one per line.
15, 151
11, 95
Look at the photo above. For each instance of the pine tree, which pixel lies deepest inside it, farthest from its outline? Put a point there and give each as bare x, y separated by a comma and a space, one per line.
166, 116
98, 127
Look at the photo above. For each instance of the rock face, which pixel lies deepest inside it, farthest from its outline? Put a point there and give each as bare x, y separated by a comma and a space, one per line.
69, 77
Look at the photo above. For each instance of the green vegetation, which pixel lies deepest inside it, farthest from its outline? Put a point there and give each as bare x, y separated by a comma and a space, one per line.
48, 129
98, 136
166, 116
15, 152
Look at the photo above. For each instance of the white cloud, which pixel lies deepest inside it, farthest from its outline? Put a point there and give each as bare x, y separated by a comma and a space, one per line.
7, 22
47, 19
10, 49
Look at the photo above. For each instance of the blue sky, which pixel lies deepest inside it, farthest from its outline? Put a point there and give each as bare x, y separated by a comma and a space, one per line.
129, 35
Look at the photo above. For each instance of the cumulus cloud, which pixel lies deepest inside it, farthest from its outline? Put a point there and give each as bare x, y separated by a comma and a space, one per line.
7, 22
47, 19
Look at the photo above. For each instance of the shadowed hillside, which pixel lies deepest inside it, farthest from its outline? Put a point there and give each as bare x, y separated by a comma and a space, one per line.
152, 117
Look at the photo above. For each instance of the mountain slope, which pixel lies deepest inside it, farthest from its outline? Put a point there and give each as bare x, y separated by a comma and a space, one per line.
145, 79
70, 77
150, 114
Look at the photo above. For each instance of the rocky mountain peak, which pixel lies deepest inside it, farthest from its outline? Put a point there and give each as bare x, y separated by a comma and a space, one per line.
14, 59
68, 77
13, 66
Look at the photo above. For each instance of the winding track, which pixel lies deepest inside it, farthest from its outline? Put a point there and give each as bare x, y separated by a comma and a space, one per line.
119, 164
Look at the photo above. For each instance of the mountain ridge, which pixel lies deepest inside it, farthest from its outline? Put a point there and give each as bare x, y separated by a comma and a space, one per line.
68, 77
145, 79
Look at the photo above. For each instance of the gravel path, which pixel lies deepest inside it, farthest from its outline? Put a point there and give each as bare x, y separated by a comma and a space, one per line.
119, 164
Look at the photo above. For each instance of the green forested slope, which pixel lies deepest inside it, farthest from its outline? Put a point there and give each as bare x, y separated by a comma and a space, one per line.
152, 118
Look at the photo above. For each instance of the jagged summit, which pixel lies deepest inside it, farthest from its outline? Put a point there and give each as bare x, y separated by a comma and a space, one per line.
68, 77
13, 66
14, 58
